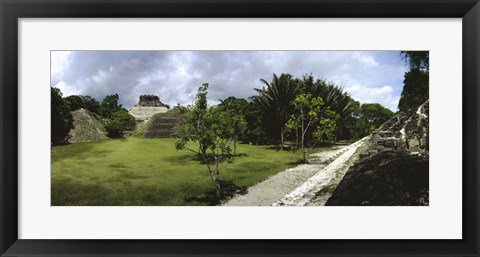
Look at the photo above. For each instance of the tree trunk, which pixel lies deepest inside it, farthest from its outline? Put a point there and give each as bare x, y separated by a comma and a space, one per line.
296, 137
235, 145
217, 179
216, 167
281, 137
304, 155
218, 188
214, 178
303, 134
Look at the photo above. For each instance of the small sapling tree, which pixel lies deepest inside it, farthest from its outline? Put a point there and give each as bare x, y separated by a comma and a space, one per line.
307, 109
309, 114
211, 128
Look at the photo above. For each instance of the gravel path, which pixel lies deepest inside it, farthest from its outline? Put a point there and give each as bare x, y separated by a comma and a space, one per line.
273, 189
304, 193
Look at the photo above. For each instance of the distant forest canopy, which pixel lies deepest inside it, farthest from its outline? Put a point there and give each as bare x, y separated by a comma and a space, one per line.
266, 113
116, 118
279, 111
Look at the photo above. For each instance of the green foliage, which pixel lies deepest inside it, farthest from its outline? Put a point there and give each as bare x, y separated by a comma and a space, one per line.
213, 128
415, 90
256, 129
194, 129
334, 97
309, 114
327, 127
235, 110
367, 118
417, 59
109, 106
274, 99
60, 117
375, 113
119, 122
76, 102
416, 82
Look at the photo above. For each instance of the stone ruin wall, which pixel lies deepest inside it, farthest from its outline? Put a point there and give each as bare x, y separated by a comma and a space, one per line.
150, 101
147, 106
394, 165
405, 132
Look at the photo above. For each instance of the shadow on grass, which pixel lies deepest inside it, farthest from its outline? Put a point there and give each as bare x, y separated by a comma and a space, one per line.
82, 151
182, 158
297, 162
329, 145
293, 148
197, 158
229, 189
277, 148
241, 155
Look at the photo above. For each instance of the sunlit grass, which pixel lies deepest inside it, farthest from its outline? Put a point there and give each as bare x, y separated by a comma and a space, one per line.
140, 171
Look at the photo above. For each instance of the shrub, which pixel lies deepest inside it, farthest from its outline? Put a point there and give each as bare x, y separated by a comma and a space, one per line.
120, 122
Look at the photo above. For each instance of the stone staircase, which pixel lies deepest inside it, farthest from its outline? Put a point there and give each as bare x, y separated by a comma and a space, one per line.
383, 141
162, 126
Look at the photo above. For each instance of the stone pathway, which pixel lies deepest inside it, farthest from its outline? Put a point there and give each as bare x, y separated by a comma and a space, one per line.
273, 189
304, 193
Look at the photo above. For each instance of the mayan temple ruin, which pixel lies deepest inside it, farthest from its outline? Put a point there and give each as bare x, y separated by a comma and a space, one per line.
148, 105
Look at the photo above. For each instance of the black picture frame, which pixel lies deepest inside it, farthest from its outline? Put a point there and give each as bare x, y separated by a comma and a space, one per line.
12, 10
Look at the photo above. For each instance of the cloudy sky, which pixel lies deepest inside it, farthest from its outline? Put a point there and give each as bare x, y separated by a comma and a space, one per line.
369, 76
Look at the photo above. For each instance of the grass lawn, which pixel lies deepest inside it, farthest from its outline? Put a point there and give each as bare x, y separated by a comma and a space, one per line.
139, 171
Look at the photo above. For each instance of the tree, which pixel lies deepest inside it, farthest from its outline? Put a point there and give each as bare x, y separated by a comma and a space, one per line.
369, 117
235, 109
327, 126
119, 122
416, 82
275, 98
375, 113
109, 106
417, 59
76, 102
90, 104
307, 114
209, 127
415, 90
334, 97
255, 132
60, 117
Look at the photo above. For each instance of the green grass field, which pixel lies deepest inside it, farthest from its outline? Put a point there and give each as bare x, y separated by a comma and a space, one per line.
137, 171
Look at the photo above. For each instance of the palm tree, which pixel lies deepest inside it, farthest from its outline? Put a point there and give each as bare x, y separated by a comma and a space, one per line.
334, 97
275, 98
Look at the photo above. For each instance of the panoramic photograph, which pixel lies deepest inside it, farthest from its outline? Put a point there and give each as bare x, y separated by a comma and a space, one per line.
239, 128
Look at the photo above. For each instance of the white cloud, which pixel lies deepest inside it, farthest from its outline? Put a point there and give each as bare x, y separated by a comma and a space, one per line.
383, 95
365, 59
175, 75
59, 62
67, 89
